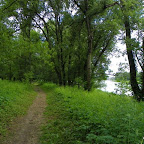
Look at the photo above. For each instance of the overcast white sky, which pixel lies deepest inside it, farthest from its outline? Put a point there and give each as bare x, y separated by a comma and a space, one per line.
115, 60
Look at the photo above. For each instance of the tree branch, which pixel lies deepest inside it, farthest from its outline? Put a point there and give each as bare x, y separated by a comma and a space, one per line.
79, 6
45, 24
9, 5
141, 65
110, 5
96, 43
40, 28
102, 51
103, 9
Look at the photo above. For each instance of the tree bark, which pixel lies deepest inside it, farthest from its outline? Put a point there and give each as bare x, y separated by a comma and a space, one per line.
89, 53
134, 84
69, 70
143, 68
60, 54
10, 72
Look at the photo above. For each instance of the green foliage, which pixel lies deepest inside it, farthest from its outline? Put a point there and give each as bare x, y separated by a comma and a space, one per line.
57, 123
66, 42
123, 88
58, 52
122, 76
28, 76
123, 79
15, 98
75, 116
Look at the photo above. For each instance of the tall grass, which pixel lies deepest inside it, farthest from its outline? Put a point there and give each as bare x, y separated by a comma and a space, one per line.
97, 117
15, 99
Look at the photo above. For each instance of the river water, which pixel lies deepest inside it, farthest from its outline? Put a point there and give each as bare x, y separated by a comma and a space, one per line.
111, 86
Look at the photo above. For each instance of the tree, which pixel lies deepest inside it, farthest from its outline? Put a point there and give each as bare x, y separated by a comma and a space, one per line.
76, 37
130, 24
90, 11
75, 54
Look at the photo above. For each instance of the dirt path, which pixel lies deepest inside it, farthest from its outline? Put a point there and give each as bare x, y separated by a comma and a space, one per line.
27, 128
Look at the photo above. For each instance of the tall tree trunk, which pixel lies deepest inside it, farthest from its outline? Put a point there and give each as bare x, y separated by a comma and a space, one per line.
89, 53
85, 74
58, 75
131, 60
10, 72
59, 37
143, 83
69, 70
64, 74
143, 68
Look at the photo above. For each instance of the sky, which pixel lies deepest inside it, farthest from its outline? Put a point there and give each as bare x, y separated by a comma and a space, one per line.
117, 58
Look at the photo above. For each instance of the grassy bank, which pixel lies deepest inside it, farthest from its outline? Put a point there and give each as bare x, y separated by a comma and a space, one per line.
15, 98
78, 117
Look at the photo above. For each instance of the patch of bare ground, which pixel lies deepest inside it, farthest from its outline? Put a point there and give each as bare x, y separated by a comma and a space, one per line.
26, 130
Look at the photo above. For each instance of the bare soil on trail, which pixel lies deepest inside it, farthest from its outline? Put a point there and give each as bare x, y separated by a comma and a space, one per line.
26, 130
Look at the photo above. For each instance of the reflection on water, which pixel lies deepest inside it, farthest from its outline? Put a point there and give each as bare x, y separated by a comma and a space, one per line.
111, 86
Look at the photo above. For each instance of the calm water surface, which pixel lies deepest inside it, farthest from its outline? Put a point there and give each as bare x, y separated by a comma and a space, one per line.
111, 86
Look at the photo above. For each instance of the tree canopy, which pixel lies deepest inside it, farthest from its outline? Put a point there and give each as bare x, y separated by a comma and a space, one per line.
68, 42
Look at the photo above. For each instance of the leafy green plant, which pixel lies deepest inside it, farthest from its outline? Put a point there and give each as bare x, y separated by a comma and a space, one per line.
92, 117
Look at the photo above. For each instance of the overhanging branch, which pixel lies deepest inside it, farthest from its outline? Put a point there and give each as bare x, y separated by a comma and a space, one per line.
103, 9
102, 52
9, 5
38, 26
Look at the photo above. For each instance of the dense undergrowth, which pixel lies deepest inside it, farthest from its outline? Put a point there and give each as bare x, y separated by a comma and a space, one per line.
15, 98
78, 117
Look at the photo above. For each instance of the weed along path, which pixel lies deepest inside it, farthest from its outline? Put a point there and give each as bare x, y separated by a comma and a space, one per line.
27, 129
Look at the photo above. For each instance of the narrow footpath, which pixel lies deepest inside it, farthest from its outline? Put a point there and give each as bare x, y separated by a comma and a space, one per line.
26, 130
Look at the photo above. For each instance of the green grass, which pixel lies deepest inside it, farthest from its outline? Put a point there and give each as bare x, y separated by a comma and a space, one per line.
78, 117
15, 98
58, 127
